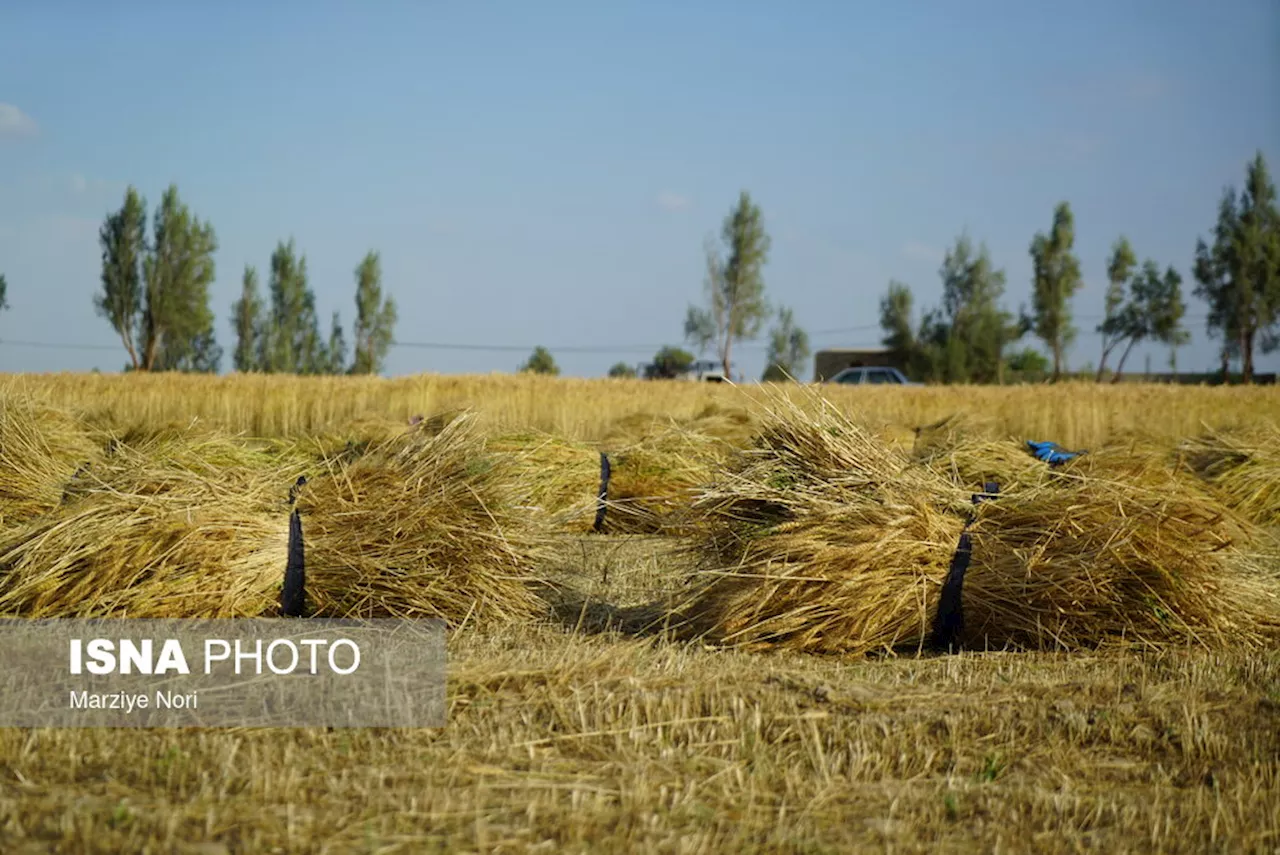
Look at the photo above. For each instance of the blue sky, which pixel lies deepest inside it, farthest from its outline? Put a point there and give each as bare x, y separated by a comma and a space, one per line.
544, 173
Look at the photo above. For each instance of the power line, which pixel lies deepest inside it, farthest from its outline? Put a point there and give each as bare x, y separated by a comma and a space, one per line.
630, 349
54, 345
639, 349
520, 348
840, 330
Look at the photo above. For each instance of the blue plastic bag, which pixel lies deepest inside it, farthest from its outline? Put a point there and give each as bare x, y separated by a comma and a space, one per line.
1051, 452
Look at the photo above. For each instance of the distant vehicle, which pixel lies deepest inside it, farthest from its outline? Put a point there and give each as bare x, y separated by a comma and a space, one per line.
874, 375
706, 371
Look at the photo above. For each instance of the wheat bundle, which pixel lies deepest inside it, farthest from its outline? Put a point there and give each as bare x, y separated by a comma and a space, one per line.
193, 457
355, 437
655, 481
973, 450
953, 429
827, 450
1242, 466
822, 539
156, 529
1087, 561
422, 526
733, 426
1139, 464
896, 436
972, 462
41, 449
562, 477
854, 578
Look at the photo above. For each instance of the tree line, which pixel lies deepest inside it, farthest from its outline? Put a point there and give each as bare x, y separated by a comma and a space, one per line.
155, 295
973, 338
969, 338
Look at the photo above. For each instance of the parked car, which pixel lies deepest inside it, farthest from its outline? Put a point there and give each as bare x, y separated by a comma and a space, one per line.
876, 375
706, 371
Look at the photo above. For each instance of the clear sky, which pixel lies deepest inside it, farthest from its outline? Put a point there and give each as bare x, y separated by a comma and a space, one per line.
544, 173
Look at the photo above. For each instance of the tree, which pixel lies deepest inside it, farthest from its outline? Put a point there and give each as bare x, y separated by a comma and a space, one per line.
895, 321
1029, 363
669, 363
1155, 311
622, 370
541, 362
964, 339
1213, 274
156, 296
1116, 326
290, 342
177, 322
788, 348
735, 301
204, 356
1239, 274
246, 317
123, 238
1168, 309
976, 330
702, 324
1056, 280
4, 293
336, 349
375, 318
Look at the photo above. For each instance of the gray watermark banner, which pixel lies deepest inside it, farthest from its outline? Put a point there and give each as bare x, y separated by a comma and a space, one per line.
263, 672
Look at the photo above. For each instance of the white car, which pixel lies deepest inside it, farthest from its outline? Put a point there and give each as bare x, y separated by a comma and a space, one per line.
874, 375
705, 371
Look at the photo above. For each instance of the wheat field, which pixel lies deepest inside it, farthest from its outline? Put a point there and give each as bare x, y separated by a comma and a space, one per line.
1073, 414
570, 733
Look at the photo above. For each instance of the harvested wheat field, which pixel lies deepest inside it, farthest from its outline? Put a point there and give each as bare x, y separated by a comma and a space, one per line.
743, 660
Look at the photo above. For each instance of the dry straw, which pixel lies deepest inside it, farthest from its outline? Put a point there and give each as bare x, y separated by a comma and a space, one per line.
733, 425
819, 538
1086, 560
658, 464
970, 451
562, 477
652, 483
1242, 466
41, 448
354, 437
163, 525
422, 525
824, 539
656, 479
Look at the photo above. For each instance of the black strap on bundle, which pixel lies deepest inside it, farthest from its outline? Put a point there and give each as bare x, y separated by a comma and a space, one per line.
293, 593
949, 621
602, 497
298, 485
